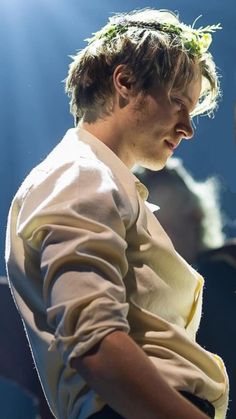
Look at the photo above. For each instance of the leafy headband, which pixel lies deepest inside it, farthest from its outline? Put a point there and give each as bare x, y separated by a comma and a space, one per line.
195, 41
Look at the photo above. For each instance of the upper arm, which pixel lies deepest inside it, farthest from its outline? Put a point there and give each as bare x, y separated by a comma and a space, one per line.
79, 232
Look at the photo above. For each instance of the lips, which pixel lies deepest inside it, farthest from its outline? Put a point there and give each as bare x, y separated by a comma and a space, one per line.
171, 144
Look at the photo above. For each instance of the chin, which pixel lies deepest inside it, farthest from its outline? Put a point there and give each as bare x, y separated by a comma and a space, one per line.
154, 165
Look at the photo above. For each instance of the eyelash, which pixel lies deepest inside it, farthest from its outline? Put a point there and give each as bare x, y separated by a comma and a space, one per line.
178, 102
181, 104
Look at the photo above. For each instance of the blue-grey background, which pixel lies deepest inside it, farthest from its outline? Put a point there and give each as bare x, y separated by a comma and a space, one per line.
36, 39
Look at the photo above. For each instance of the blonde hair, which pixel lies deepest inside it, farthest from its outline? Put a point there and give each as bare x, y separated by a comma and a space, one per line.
154, 46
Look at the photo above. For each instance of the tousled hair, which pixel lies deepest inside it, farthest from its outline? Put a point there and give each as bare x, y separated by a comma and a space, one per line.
149, 55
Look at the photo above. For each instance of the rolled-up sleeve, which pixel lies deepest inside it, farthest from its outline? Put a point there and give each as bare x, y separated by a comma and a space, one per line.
78, 230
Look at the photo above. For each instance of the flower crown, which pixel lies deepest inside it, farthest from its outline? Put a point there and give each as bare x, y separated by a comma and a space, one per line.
195, 41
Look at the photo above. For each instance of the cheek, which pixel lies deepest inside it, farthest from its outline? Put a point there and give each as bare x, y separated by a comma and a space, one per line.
153, 117
162, 117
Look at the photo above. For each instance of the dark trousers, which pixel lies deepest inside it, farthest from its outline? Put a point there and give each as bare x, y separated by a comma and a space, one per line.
205, 406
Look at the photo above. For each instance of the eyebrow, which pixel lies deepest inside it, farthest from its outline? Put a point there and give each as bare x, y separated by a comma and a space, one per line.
193, 105
186, 96
189, 99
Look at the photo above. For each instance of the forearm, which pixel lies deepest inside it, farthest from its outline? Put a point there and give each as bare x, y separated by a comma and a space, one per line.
125, 378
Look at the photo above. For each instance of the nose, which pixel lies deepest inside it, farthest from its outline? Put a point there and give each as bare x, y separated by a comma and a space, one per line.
185, 128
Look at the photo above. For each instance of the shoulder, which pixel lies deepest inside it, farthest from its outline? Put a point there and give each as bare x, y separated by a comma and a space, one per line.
74, 177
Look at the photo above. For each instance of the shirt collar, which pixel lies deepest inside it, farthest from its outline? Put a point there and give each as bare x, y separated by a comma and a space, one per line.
104, 153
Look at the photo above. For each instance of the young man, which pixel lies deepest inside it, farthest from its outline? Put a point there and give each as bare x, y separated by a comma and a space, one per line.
110, 309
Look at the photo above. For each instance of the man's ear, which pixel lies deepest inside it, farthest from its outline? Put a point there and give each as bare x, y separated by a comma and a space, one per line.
122, 80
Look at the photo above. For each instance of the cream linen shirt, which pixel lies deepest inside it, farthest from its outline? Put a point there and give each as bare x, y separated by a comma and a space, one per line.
86, 256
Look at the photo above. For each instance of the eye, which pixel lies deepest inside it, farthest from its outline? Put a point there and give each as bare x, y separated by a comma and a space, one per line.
178, 103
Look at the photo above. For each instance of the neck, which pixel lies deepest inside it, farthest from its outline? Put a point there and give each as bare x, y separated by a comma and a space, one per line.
111, 132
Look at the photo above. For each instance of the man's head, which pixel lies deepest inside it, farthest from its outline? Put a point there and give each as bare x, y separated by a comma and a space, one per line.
154, 48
